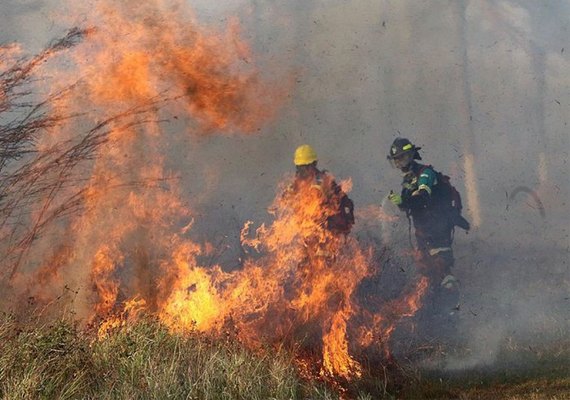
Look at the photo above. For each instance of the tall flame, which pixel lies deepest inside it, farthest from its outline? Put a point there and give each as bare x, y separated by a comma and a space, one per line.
129, 249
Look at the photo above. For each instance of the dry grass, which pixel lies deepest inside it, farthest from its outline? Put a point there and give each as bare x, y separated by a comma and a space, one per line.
143, 361
146, 361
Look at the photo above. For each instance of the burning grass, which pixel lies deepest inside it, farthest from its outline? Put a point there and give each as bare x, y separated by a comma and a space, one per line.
99, 211
145, 360
88, 202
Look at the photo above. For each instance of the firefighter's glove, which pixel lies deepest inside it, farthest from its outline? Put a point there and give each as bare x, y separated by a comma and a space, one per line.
395, 198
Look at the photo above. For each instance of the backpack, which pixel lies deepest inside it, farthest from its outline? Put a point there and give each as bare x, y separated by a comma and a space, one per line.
448, 200
343, 220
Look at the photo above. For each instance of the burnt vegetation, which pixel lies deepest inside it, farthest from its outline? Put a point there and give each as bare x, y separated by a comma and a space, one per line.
40, 186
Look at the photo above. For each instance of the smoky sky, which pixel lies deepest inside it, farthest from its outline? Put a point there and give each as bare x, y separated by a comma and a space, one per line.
487, 78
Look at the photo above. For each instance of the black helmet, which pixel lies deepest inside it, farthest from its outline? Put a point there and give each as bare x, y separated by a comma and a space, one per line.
401, 146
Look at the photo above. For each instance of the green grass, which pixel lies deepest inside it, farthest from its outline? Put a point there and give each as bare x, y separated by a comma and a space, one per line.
146, 361
143, 361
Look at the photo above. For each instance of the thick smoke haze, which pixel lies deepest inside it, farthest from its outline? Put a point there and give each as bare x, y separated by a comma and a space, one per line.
481, 86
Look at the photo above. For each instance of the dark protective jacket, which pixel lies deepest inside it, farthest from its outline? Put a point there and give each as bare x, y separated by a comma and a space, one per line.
426, 200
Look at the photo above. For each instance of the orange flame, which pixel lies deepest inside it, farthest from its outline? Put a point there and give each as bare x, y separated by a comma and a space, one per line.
145, 63
131, 310
382, 324
293, 292
145, 67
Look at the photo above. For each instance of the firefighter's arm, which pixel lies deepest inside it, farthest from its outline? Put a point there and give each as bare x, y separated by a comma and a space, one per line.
421, 197
395, 198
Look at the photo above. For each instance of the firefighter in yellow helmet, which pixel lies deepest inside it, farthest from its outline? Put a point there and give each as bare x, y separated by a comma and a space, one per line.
305, 155
308, 175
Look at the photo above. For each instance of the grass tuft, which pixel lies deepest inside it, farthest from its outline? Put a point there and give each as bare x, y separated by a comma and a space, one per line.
142, 361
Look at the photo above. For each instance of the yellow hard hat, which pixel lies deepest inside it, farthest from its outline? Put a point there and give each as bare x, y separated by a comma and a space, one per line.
305, 155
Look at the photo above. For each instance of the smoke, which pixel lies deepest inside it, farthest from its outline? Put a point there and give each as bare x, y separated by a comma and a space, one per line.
485, 79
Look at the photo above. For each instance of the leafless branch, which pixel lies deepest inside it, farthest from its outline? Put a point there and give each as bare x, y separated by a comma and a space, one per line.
40, 187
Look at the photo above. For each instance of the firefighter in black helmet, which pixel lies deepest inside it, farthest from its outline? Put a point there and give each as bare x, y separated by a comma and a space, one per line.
434, 207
